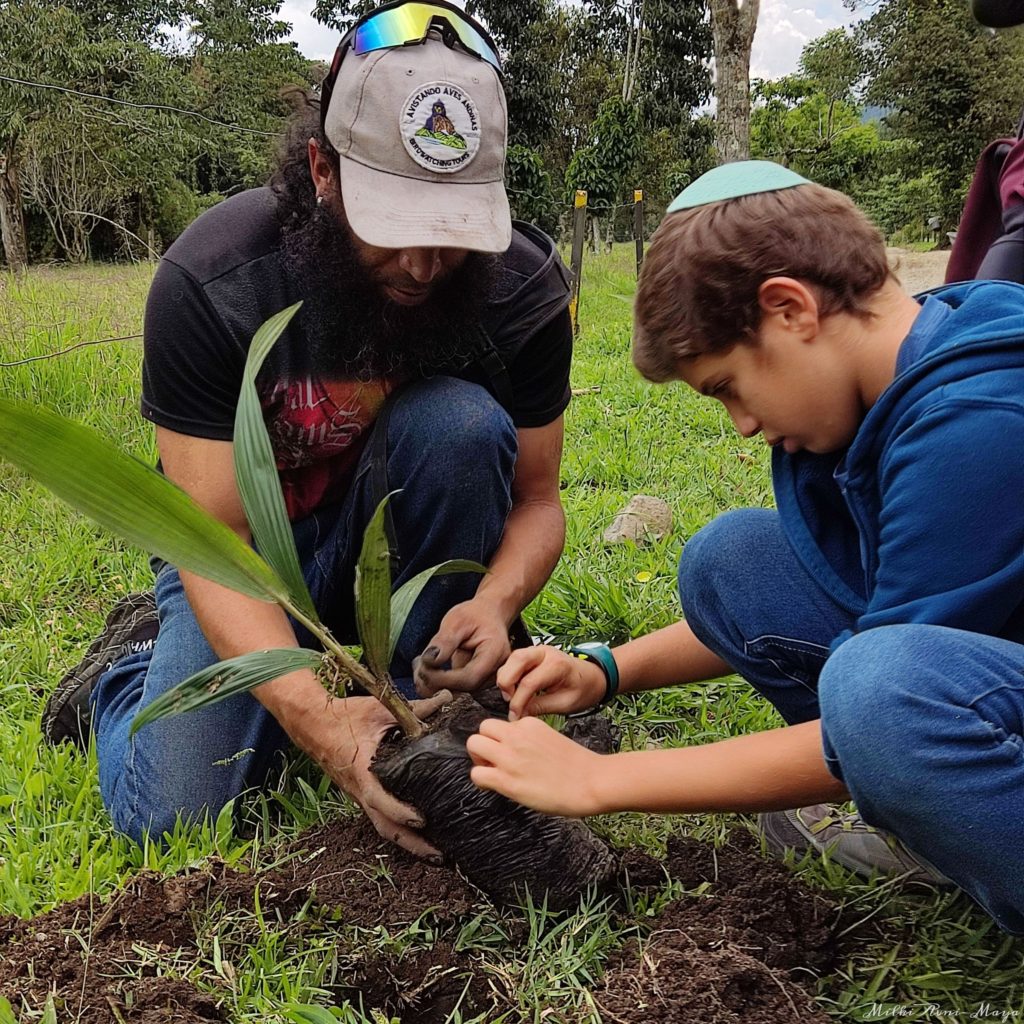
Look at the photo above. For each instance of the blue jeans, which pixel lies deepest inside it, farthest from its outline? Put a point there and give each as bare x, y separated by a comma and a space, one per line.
451, 449
923, 724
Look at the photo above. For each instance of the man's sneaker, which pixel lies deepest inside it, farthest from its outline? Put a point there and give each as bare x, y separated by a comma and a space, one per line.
131, 626
848, 840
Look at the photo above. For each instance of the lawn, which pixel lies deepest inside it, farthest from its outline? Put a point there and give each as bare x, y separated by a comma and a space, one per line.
934, 955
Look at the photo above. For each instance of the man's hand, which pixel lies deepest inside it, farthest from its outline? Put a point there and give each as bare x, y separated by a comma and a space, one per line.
530, 763
343, 738
473, 636
545, 681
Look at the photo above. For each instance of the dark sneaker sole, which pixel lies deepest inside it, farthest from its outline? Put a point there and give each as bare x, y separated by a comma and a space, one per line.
131, 626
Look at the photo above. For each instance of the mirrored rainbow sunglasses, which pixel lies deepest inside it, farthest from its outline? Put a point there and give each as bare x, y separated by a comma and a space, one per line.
406, 23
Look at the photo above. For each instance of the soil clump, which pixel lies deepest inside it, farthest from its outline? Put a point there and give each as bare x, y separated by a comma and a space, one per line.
744, 948
502, 847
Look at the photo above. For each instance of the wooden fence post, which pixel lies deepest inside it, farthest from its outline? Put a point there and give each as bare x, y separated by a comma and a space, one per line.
579, 229
638, 227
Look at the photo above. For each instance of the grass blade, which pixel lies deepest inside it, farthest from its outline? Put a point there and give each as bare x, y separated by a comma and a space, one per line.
256, 470
373, 592
130, 498
308, 1013
405, 596
225, 679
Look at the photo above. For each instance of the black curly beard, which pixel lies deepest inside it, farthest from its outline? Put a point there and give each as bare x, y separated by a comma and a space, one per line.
354, 332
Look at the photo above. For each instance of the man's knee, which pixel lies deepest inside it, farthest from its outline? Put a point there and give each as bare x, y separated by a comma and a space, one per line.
149, 804
190, 766
461, 420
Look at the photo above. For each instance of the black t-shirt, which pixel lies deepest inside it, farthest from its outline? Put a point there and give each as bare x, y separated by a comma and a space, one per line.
225, 276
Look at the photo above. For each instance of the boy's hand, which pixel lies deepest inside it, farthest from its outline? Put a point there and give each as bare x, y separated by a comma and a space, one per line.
545, 681
530, 763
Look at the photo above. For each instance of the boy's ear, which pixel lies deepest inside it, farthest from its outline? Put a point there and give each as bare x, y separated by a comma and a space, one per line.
790, 302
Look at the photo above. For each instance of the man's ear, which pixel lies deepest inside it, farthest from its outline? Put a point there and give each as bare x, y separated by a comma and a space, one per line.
321, 170
790, 303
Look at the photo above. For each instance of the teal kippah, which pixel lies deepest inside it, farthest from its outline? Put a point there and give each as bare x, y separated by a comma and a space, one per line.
730, 181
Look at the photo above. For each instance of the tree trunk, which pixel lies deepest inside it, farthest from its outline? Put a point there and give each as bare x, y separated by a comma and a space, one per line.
732, 28
595, 241
12, 215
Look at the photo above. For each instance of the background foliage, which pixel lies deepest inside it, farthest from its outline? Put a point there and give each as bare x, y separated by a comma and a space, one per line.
896, 112
606, 95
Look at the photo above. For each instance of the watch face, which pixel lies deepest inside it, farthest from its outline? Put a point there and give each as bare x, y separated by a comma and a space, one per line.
590, 645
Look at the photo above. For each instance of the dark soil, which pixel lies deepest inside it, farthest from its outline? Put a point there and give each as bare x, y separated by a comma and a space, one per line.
745, 950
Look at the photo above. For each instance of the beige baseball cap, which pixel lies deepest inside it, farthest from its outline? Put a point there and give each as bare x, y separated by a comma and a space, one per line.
421, 133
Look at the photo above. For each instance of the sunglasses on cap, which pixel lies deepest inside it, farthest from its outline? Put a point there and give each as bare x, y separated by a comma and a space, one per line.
406, 23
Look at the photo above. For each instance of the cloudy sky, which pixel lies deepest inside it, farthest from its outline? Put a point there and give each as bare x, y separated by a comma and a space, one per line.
782, 29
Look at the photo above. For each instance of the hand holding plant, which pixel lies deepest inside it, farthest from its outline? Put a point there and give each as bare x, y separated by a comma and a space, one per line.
531, 763
343, 739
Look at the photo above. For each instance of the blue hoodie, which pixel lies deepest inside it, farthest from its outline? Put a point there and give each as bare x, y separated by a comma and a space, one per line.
921, 519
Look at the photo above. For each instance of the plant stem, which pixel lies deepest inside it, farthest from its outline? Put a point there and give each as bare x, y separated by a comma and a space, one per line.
380, 687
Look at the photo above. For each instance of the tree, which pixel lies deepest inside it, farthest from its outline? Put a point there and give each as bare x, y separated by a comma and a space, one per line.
950, 86
94, 156
601, 167
732, 26
22, 40
812, 122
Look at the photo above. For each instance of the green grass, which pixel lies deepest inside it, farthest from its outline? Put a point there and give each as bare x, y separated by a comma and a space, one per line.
59, 574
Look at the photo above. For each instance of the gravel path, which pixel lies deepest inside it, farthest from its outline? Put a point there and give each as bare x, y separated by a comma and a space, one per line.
919, 271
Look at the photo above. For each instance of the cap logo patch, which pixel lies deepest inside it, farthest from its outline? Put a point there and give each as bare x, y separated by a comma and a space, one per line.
440, 127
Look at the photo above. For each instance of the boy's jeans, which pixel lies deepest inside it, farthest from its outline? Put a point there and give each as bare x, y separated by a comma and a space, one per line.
922, 723
451, 449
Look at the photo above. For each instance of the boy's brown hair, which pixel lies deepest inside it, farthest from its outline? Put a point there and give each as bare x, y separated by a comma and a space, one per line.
698, 290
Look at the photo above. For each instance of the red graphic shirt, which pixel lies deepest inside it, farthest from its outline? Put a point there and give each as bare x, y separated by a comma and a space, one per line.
318, 430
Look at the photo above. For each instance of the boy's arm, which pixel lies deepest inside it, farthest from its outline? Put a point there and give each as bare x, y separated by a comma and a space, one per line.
532, 764
543, 680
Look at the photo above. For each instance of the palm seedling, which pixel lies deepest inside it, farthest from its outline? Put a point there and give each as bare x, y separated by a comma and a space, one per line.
143, 507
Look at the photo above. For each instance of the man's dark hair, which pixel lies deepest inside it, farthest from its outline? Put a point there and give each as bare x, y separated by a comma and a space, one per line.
291, 180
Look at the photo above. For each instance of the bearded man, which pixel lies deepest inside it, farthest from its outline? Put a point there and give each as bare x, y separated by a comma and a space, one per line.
431, 356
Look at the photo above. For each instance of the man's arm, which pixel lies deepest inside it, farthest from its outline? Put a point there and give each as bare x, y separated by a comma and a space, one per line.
340, 735
474, 634
532, 764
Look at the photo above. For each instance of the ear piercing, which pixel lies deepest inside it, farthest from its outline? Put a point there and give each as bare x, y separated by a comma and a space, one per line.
319, 200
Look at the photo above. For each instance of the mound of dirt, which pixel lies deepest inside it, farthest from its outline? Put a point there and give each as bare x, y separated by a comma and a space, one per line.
90, 956
745, 949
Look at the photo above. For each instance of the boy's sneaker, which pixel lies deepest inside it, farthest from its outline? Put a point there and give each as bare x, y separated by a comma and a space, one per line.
131, 626
848, 840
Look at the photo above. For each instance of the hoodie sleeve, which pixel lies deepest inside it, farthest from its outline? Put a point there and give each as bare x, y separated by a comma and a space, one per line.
951, 538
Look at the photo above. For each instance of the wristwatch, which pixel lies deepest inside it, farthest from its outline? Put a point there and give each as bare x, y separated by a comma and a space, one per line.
601, 655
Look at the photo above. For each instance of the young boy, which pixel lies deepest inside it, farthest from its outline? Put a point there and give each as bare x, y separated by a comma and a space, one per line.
880, 608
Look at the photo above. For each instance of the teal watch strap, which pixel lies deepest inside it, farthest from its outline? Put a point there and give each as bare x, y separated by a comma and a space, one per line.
601, 655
